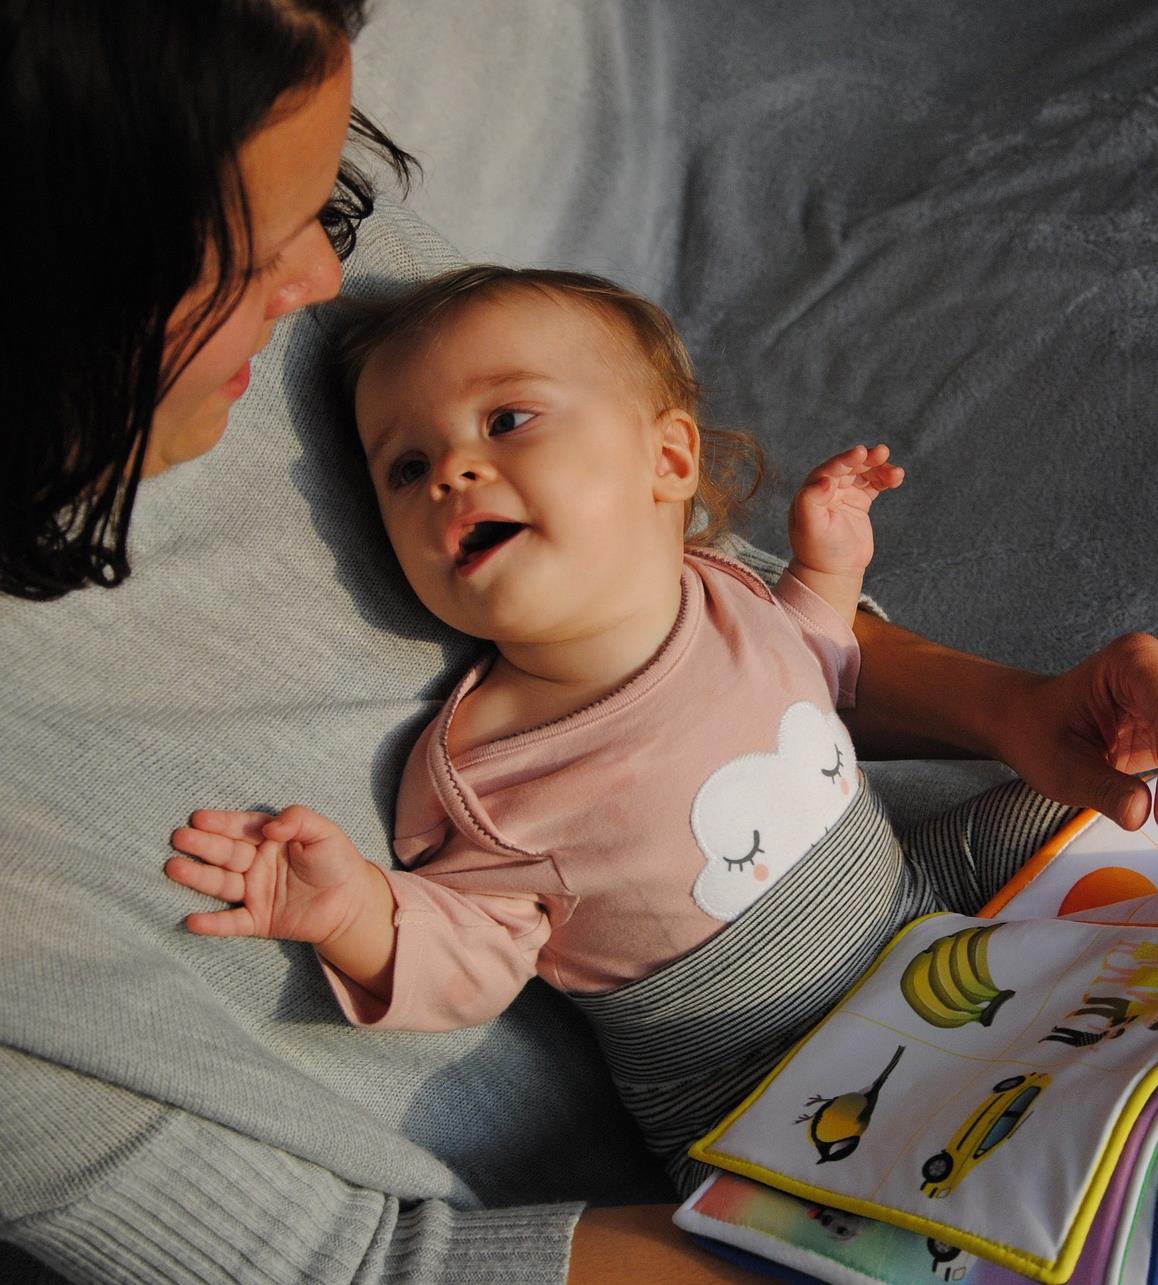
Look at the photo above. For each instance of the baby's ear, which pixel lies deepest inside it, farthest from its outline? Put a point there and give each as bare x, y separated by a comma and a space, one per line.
677, 461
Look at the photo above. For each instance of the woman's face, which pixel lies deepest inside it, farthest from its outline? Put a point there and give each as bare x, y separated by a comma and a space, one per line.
288, 168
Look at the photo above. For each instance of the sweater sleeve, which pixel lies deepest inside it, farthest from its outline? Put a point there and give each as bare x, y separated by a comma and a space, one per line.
102, 1185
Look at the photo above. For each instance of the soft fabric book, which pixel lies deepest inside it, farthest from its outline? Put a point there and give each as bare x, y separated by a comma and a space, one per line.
775, 1231
980, 1086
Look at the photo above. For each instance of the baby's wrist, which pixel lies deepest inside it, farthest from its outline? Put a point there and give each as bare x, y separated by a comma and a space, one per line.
841, 590
363, 946
816, 567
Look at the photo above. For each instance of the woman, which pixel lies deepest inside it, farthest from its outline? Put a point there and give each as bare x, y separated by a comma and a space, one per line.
167, 1115
222, 216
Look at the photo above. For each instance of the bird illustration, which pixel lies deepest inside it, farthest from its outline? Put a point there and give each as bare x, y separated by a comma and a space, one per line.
837, 1124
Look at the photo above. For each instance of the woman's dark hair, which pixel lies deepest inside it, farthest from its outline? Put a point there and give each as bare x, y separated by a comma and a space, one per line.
122, 123
732, 464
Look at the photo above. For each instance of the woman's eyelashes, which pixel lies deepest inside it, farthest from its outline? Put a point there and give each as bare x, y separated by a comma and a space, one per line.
269, 267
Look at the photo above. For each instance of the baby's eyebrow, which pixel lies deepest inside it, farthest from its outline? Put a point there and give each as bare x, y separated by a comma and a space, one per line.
385, 428
496, 377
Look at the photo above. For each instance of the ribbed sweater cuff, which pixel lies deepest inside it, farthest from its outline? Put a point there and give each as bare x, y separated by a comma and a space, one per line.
436, 1243
242, 1212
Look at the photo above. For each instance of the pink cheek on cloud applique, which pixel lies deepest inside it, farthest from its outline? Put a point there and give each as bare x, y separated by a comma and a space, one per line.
844, 785
759, 873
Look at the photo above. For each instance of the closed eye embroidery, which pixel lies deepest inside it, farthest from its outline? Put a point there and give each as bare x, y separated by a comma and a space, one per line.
833, 772
738, 863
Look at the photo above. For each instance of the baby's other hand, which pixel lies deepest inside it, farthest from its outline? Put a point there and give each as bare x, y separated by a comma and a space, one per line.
295, 876
828, 524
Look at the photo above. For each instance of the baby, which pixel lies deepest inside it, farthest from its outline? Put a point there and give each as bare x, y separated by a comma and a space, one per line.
643, 792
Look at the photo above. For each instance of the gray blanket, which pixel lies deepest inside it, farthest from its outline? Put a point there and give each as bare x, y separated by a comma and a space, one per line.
934, 225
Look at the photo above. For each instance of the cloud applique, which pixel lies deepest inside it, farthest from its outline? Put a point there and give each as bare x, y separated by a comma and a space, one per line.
756, 816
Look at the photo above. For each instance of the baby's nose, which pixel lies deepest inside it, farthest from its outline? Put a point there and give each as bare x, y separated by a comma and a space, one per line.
459, 469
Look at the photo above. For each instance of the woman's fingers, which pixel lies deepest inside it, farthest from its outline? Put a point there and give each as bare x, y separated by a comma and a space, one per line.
225, 885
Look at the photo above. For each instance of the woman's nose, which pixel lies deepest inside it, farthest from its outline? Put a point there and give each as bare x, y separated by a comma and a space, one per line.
314, 274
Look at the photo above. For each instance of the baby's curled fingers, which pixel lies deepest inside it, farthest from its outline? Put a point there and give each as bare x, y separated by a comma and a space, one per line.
861, 467
844, 465
237, 921
225, 885
216, 849
884, 477
231, 824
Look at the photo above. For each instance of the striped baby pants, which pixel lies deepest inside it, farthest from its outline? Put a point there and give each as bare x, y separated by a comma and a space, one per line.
686, 1044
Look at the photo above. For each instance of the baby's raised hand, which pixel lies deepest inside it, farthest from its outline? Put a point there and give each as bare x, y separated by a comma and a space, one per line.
828, 524
295, 876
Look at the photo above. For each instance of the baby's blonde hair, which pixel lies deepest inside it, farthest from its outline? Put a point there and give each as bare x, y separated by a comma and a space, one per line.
732, 464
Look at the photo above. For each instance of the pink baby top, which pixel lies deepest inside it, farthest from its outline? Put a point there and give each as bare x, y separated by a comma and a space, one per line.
597, 848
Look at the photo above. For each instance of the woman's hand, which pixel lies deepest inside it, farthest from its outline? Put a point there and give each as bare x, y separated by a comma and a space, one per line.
1077, 736
1074, 736
625, 1244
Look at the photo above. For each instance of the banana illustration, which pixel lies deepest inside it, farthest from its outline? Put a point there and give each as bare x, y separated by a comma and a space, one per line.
948, 984
969, 963
925, 1001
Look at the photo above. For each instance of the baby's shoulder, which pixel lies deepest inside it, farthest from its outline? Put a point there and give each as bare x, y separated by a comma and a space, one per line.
726, 575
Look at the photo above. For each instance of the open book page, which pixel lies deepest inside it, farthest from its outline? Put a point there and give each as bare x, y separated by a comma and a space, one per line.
1021, 1051
1089, 864
840, 1248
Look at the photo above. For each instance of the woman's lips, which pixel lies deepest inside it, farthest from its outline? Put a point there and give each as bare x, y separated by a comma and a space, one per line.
237, 384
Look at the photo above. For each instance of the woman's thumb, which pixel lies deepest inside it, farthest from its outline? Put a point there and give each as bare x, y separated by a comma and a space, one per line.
1119, 796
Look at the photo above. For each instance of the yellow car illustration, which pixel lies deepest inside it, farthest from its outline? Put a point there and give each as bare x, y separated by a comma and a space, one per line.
997, 1119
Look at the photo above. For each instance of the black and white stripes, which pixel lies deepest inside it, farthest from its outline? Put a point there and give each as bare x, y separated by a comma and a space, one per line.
687, 1043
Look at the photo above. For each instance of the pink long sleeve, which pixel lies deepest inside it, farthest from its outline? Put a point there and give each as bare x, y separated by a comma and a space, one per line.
459, 960
578, 849
826, 634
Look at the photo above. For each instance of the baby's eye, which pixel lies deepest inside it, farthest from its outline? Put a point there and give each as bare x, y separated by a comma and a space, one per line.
406, 470
506, 421
738, 863
833, 772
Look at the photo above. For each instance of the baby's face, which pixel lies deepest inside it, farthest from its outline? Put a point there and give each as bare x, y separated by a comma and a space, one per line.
517, 460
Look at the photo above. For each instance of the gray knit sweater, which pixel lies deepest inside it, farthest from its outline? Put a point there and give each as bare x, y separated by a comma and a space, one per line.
176, 1108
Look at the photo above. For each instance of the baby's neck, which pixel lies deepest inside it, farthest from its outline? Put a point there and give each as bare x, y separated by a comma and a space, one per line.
532, 683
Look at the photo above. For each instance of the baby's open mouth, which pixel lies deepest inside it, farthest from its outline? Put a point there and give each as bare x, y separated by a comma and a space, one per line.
483, 537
